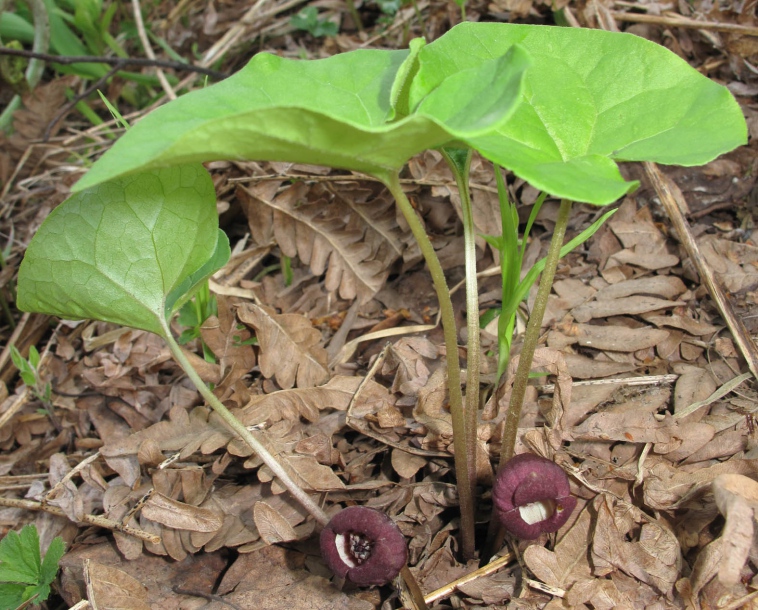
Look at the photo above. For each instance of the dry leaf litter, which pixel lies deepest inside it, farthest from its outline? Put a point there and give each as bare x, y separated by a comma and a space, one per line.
634, 353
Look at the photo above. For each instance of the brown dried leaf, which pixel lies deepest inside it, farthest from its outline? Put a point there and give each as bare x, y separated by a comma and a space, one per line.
664, 286
611, 338
737, 498
115, 589
689, 325
431, 408
645, 245
274, 578
290, 349
685, 439
733, 263
706, 566
581, 367
272, 526
568, 563
329, 236
652, 556
311, 475
184, 432
668, 488
634, 305
67, 496
407, 359
632, 426
180, 515
602, 594
300, 402
227, 342
406, 464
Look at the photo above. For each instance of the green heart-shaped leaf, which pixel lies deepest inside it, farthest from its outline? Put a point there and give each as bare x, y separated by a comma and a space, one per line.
129, 251
590, 98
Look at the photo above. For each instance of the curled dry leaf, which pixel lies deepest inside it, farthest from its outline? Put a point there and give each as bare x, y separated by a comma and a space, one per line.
184, 432
663, 286
644, 244
568, 562
633, 305
737, 499
668, 488
66, 496
733, 263
228, 343
295, 403
628, 540
406, 464
581, 367
611, 338
352, 243
271, 525
290, 350
180, 515
406, 358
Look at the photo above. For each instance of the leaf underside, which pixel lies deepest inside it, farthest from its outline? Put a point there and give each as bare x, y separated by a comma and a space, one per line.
590, 98
126, 251
331, 112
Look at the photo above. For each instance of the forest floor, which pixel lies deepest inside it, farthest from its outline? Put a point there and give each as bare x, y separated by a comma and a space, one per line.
629, 322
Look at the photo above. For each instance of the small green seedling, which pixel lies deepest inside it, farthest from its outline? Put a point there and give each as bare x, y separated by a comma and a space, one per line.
512, 248
30, 375
193, 315
24, 576
308, 21
559, 107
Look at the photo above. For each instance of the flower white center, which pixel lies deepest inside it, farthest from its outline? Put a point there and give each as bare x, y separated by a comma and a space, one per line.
537, 511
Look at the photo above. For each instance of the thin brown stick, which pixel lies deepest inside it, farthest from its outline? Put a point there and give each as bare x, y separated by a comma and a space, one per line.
678, 21
108, 524
120, 62
740, 333
69, 475
78, 98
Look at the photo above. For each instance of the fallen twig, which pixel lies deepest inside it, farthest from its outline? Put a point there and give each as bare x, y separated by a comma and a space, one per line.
90, 519
742, 337
679, 21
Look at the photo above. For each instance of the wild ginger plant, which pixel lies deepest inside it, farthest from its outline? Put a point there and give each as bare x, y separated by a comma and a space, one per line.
556, 106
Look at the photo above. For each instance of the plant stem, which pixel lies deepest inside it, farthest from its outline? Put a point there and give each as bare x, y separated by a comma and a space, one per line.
532, 334
460, 164
236, 425
465, 497
36, 66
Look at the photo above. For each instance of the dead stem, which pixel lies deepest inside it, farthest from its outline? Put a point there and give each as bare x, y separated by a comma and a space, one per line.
90, 519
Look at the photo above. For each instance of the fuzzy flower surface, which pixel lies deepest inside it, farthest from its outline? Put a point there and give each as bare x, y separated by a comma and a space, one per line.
363, 546
532, 496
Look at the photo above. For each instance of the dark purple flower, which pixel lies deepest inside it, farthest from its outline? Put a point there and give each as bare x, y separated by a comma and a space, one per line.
364, 546
532, 496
